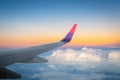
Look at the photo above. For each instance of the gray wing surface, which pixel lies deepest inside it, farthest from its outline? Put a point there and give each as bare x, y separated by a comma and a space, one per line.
24, 55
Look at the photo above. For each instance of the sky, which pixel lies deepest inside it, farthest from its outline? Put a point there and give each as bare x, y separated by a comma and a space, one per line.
34, 22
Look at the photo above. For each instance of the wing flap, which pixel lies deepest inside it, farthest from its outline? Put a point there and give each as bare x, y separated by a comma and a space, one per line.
36, 60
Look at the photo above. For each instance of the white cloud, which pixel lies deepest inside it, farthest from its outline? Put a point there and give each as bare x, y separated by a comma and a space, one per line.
86, 58
82, 64
114, 57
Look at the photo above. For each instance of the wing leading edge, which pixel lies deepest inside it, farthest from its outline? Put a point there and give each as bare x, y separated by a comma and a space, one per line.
28, 55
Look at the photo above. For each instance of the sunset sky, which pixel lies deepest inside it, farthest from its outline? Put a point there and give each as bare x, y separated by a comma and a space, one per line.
34, 22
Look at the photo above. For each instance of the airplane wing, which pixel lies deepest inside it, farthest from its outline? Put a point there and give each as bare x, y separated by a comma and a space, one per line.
28, 55
8, 74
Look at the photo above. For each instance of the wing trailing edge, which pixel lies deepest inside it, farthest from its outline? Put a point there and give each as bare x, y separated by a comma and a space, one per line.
36, 59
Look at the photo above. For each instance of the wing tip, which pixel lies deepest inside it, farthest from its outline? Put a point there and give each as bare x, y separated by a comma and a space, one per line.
69, 36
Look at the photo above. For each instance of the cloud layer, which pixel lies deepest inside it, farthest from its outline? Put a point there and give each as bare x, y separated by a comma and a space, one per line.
82, 64
72, 64
86, 58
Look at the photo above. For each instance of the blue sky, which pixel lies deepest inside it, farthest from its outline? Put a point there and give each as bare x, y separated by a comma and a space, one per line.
96, 18
59, 8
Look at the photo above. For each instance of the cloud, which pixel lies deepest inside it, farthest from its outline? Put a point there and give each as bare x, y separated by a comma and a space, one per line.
114, 57
71, 64
86, 58
64, 75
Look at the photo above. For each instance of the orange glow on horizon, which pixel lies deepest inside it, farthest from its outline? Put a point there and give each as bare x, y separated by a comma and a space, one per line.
77, 41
